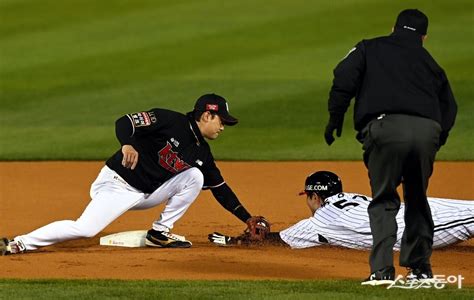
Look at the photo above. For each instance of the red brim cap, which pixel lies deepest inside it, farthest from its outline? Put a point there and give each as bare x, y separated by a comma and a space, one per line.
302, 193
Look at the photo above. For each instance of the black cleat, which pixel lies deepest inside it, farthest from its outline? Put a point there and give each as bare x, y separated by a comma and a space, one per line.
4, 247
420, 275
385, 276
165, 239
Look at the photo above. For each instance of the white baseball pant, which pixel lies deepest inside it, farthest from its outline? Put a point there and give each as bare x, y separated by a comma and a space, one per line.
111, 197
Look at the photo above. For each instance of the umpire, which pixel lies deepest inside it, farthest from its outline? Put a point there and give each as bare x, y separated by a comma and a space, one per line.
404, 110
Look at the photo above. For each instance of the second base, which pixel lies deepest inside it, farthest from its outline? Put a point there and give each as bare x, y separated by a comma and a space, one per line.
132, 239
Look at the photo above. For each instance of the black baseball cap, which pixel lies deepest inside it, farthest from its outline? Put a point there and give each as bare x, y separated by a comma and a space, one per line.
412, 20
215, 104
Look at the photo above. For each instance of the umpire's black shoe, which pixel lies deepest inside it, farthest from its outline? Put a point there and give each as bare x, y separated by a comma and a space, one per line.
384, 276
165, 239
421, 274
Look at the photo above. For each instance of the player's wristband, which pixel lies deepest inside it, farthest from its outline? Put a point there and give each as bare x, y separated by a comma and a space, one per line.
241, 213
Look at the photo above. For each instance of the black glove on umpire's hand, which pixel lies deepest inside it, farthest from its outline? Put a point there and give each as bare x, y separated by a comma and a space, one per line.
335, 122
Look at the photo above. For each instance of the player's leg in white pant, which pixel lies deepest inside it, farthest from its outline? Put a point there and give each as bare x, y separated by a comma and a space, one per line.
180, 191
453, 224
111, 197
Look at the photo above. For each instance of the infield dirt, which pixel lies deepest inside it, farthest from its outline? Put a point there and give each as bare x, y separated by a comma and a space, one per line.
36, 193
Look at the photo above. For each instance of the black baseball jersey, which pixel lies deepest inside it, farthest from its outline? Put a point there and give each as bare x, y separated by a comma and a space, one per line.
168, 142
392, 75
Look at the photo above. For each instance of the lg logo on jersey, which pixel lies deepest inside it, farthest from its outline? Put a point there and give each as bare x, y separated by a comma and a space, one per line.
175, 142
169, 160
316, 187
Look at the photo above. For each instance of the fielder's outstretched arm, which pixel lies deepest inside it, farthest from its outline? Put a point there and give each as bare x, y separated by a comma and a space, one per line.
227, 198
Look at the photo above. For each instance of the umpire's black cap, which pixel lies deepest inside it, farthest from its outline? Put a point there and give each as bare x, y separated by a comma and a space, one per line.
412, 20
216, 104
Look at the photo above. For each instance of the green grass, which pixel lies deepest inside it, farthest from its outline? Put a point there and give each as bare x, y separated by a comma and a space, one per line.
147, 289
69, 69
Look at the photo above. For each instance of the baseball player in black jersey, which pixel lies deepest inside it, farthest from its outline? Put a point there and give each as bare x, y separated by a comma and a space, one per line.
164, 157
404, 110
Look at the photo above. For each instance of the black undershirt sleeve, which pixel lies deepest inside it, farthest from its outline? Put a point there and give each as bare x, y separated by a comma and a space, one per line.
226, 197
124, 130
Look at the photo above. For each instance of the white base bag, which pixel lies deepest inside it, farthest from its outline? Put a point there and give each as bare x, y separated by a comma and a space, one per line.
131, 239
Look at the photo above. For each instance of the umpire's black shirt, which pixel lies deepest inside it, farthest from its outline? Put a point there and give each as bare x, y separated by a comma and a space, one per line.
392, 74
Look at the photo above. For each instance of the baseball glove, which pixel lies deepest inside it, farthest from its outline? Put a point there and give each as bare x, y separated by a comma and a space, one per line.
257, 228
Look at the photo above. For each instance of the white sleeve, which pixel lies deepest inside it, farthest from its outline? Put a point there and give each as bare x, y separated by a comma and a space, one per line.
303, 234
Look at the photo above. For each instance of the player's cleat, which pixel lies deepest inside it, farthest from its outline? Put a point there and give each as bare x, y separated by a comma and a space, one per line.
420, 275
385, 276
11, 247
165, 239
4, 246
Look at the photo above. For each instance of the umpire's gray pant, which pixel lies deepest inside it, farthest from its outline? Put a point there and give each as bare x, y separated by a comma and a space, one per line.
400, 149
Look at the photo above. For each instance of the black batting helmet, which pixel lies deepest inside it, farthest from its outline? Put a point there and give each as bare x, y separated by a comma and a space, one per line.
324, 183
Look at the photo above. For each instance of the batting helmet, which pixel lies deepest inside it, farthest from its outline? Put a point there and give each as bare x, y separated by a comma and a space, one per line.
323, 183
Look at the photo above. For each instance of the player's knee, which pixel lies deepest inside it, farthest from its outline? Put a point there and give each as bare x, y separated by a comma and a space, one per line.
191, 186
196, 178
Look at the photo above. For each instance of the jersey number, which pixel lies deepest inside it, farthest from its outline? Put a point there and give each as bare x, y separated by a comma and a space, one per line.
341, 204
